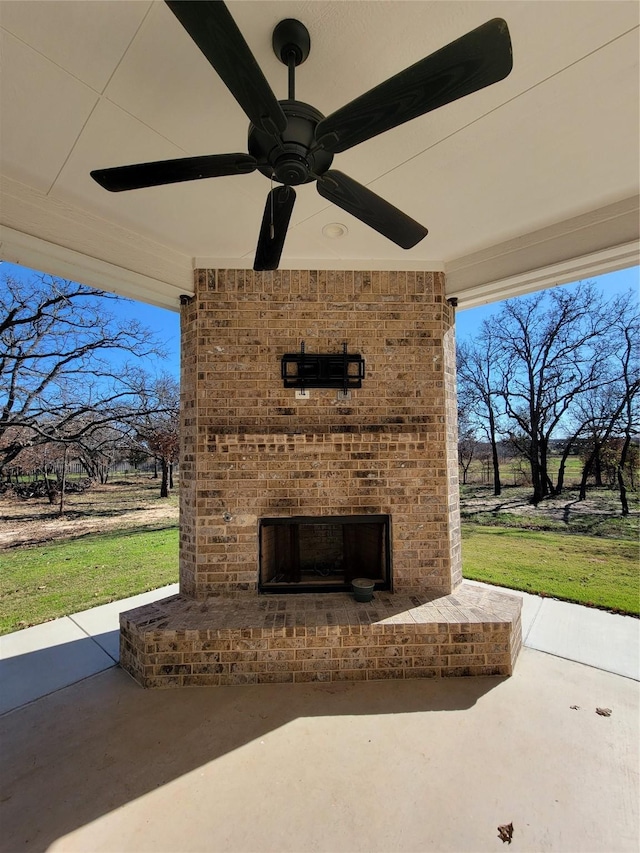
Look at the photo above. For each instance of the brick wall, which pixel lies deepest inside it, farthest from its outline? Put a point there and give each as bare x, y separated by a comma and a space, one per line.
251, 449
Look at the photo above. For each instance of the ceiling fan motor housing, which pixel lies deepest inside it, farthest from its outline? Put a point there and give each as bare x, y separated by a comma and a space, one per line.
293, 160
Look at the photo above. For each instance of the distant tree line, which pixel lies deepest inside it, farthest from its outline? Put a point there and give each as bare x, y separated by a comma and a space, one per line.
74, 386
555, 373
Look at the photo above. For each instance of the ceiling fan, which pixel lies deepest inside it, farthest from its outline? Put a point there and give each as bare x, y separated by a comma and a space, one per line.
292, 143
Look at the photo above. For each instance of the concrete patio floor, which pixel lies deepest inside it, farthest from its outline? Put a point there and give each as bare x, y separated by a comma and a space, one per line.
102, 765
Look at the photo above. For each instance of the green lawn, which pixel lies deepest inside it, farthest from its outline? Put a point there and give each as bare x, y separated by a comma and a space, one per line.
47, 581
514, 471
44, 582
590, 570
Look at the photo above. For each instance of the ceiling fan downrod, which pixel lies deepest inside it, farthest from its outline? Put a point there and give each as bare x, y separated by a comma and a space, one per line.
291, 44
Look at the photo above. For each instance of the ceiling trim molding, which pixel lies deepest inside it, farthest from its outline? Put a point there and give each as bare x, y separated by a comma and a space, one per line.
29, 251
598, 242
26, 210
574, 269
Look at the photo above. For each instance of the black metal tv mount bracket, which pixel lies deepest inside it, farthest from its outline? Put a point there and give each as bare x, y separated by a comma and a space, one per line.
322, 370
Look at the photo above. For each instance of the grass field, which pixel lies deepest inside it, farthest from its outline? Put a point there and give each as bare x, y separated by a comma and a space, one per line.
39, 583
122, 539
598, 515
514, 472
588, 569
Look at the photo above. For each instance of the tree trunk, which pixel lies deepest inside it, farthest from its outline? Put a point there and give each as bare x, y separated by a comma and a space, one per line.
164, 485
536, 474
623, 492
545, 480
51, 492
585, 476
620, 472
171, 475
63, 483
497, 485
563, 463
598, 464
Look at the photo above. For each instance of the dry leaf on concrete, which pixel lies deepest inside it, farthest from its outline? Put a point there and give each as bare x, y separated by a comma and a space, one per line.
505, 832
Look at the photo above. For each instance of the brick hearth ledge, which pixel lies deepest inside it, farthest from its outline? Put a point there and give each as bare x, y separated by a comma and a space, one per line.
295, 638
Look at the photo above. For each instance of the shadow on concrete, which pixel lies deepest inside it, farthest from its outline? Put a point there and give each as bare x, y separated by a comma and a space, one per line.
82, 752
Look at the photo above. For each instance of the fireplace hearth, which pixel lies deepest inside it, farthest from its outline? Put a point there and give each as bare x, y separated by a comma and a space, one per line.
284, 493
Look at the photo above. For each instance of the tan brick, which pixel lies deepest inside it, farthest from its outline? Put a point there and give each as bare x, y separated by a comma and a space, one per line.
428, 660
300, 677
497, 659
208, 680
466, 660
422, 672
380, 674
387, 651
349, 675
390, 662
274, 677
313, 654
276, 655
236, 678
318, 665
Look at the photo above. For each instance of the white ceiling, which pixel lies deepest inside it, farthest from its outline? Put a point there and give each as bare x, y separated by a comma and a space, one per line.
529, 182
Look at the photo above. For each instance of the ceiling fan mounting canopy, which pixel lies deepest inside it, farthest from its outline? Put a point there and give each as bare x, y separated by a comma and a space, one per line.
291, 37
293, 143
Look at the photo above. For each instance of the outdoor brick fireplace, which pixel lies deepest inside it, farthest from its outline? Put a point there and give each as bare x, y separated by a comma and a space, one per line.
287, 493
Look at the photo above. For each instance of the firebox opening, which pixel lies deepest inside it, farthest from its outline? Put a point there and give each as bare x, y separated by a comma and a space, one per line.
323, 554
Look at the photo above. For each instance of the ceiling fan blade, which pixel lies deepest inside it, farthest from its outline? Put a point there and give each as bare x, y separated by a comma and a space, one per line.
369, 208
472, 62
210, 25
275, 222
173, 171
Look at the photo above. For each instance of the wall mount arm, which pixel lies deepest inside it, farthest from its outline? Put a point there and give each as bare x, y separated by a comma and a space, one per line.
322, 370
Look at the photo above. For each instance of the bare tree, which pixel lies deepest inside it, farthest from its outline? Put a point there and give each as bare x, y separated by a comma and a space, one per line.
100, 447
630, 380
556, 346
64, 368
607, 416
467, 440
477, 364
157, 425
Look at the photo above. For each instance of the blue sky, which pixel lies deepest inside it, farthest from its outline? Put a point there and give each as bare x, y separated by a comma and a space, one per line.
166, 324
612, 284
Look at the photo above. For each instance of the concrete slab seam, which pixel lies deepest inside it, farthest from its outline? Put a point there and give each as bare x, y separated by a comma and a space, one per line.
584, 663
57, 690
92, 638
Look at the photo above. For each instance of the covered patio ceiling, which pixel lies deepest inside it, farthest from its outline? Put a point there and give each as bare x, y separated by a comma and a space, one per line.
528, 183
